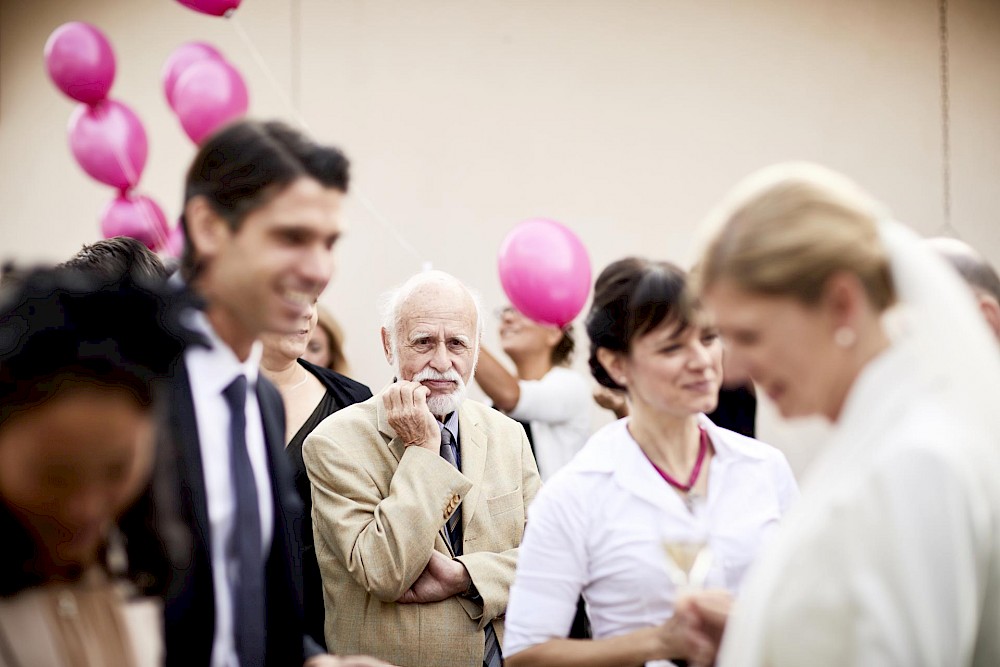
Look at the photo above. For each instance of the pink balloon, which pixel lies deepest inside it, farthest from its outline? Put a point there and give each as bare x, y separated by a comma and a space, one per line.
209, 94
137, 216
174, 246
212, 7
109, 142
545, 271
180, 59
80, 61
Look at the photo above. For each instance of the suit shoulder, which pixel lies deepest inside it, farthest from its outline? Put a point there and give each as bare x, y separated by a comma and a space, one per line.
490, 417
357, 418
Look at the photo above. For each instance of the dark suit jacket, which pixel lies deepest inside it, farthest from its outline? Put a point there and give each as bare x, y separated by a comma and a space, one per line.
190, 605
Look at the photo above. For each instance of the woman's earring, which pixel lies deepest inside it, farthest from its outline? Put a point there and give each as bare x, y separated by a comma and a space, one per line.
845, 337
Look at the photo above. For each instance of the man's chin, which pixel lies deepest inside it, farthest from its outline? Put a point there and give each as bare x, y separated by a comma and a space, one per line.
443, 404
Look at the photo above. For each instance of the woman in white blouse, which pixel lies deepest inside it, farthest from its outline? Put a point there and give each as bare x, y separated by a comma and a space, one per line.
664, 475
548, 398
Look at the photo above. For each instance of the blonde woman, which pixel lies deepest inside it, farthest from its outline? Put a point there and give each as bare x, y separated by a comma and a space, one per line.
892, 556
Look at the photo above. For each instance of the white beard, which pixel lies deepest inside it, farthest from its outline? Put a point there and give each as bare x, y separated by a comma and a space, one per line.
440, 405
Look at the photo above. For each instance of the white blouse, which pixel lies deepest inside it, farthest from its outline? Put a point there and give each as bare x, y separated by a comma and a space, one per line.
558, 409
599, 525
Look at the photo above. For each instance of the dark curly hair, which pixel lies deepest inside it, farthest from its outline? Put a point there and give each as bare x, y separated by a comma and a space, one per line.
64, 328
632, 297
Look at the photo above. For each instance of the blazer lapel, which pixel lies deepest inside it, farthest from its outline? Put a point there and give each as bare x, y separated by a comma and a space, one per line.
472, 441
183, 430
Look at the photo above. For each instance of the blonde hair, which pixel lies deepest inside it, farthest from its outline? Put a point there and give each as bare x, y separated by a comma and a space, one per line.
334, 334
786, 229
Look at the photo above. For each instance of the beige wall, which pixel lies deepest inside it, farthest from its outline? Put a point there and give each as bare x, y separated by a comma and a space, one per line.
623, 119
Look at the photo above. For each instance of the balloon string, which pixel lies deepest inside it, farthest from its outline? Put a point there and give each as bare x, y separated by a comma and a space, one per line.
358, 194
145, 211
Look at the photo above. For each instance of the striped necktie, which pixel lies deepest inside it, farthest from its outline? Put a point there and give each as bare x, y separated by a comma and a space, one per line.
449, 452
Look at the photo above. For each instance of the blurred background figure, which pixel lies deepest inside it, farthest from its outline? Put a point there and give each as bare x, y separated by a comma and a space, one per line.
977, 272
80, 363
116, 256
326, 345
310, 393
551, 401
892, 556
640, 490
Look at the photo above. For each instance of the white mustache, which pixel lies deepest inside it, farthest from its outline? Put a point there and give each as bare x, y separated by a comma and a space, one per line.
451, 375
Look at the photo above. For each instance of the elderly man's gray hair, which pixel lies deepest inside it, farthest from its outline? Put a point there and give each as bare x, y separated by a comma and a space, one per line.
392, 302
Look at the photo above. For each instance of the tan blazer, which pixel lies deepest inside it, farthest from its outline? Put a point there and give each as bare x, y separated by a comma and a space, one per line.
379, 509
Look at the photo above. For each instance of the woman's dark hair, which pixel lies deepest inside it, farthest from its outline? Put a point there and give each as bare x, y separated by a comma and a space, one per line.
242, 167
632, 297
61, 329
563, 351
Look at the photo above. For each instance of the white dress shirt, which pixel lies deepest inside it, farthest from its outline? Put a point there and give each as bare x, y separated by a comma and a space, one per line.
599, 525
558, 409
211, 371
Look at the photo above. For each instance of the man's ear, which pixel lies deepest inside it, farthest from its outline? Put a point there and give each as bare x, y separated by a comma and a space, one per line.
614, 364
991, 311
387, 346
206, 230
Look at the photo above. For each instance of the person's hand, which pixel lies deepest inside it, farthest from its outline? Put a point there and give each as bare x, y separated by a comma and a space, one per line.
703, 617
679, 638
344, 661
442, 578
610, 399
409, 416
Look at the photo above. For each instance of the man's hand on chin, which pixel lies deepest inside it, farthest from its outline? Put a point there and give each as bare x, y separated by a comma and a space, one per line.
344, 661
442, 578
408, 415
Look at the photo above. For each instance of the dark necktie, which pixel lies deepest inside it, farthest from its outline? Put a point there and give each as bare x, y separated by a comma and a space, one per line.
245, 545
491, 655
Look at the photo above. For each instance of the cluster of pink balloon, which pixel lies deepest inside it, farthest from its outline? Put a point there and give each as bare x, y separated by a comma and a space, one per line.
105, 136
204, 90
212, 7
545, 271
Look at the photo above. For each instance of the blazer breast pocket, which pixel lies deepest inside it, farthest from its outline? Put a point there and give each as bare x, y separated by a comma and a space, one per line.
507, 502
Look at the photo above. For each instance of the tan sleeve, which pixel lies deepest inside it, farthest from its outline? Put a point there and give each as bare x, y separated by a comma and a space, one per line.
384, 540
493, 573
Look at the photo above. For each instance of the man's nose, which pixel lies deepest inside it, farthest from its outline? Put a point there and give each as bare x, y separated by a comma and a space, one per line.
441, 360
316, 265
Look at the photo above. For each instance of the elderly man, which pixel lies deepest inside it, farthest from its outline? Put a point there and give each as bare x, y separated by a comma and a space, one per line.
419, 497
977, 272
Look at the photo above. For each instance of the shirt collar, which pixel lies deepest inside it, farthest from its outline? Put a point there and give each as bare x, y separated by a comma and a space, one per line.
451, 423
220, 361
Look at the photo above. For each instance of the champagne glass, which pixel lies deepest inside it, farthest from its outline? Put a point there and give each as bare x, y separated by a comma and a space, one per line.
689, 558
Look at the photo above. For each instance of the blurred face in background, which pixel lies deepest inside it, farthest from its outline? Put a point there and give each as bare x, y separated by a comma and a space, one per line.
318, 349
289, 347
70, 466
785, 346
520, 335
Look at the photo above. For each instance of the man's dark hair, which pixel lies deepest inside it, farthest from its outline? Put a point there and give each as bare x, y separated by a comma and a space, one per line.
115, 257
245, 165
972, 266
632, 297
